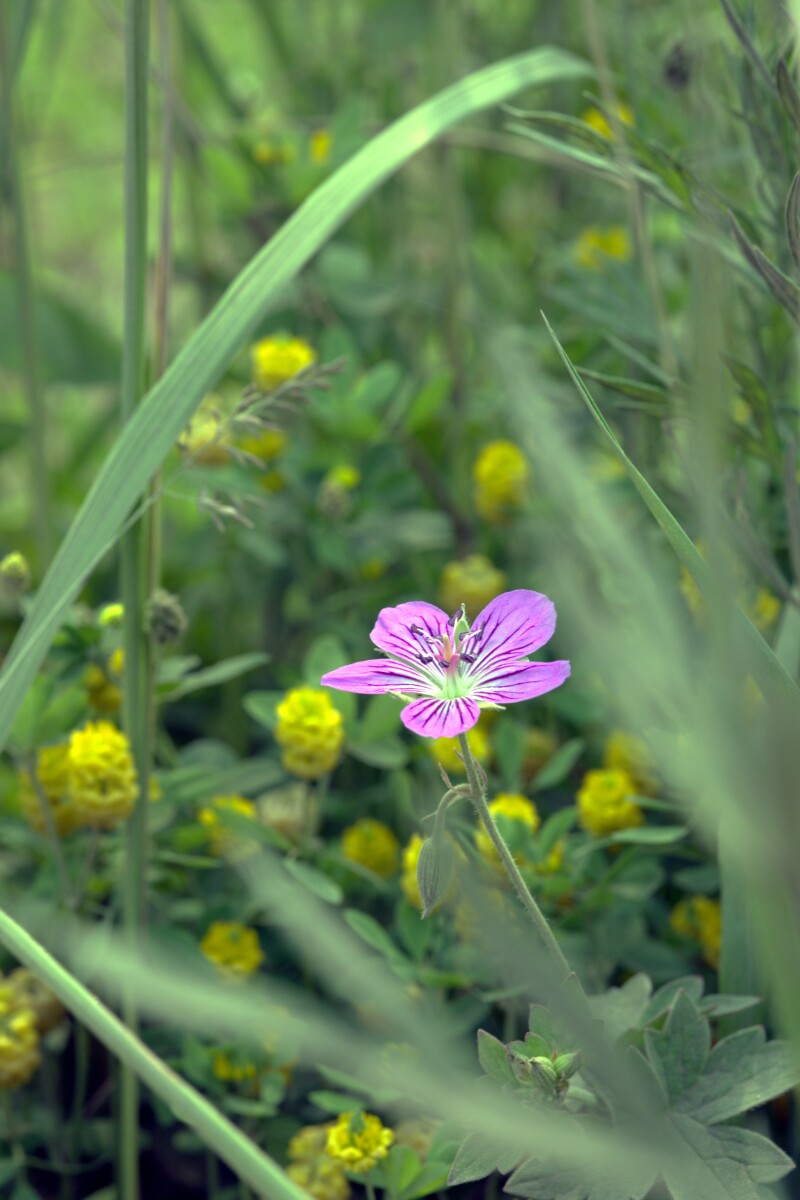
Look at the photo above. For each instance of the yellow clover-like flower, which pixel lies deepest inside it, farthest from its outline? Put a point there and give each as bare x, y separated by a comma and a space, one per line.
231, 1069
24, 990
473, 582
604, 806
373, 845
700, 918
111, 616
509, 806
359, 1141
600, 123
102, 683
321, 1177
319, 146
15, 574
627, 752
225, 841
102, 778
278, 359
595, 246
233, 948
206, 439
408, 878
19, 1045
500, 475
268, 444
311, 730
52, 774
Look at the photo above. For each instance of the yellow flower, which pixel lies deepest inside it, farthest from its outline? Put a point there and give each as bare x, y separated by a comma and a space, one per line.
230, 1069
445, 750
320, 146
267, 444
595, 246
205, 440
19, 1045
111, 616
599, 121
225, 841
408, 878
373, 568
309, 1142
603, 804
500, 475
321, 1177
764, 610
270, 154
700, 918
52, 773
554, 860
473, 582
343, 476
276, 360
232, 947
373, 845
311, 730
15, 574
26, 991
510, 807
630, 753
102, 777
359, 1141
102, 684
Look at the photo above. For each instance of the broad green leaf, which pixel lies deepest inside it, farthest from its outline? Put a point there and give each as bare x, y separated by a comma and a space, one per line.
622, 1008
553, 1181
388, 753
400, 1169
663, 999
769, 674
261, 707
477, 1157
327, 889
557, 768
679, 1051
220, 672
726, 1163
163, 413
374, 935
493, 1058
743, 1071
432, 1178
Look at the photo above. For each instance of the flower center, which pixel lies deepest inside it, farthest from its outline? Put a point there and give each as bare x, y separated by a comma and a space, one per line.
456, 644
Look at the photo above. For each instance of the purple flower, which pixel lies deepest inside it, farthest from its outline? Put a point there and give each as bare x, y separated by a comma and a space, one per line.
449, 670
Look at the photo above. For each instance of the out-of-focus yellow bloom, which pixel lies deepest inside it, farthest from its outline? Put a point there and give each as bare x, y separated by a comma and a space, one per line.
540, 746
311, 730
599, 122
764, 610
232, 947
627, 752
500, 475
321, 1177
206, 440
445, 750
223, 840
24, 990
230, 1069
290, 810
473, 581
272, 154
309, 1142
605, 467
594, 246
319, 147
102, 683
554, 860
15, 574
343, 476
111, 616
700, 918
510, 806
418, 1133
408, 878
373, 568
267, 444
373, 845
604, 806
102, 778
276, 360
52, 773
19, 1044
359, 1141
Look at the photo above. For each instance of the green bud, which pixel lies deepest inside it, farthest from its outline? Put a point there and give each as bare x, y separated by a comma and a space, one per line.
434, 871
544, 1071
15, 574
567, 1064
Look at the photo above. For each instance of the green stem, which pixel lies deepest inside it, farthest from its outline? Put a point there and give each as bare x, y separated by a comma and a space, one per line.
136, 712
369, 1188
218, 1133
537, 918
26, 311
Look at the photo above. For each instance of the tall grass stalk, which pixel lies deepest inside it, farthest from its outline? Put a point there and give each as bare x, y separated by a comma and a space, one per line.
133, 549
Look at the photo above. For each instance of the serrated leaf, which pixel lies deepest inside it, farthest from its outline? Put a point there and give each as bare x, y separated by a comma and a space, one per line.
557, 768
554, 1181
493, 1058
722, 1006
623, 1008
726, 1163
742, 1071
679, 1051
477, 1157
662, 999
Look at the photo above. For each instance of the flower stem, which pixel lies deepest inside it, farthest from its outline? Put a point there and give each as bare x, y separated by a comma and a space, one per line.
535, 914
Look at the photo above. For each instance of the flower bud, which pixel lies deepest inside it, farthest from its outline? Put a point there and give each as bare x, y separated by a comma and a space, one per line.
166, 619
434, 871
15, 575
567, 1064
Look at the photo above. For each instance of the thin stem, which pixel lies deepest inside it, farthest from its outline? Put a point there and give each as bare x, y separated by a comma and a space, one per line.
52, 831
369, 1188
136, 714
537, 918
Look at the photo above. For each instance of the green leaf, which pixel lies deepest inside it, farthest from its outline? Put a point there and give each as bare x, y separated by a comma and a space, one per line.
325, 654
787, 90
221, 672
622, 1008
477, 1157
323, 887
725, 1164
556, 769
158, 420
415, 934
431, 1178
543, 1180
389, 753
374, 935
428, 401
335, 1102
784, 289
769, 674
679, 1051
554, 828
400, 1169
381, 717
494, 1060
743, 1071
651, 835
261, 707
663, 999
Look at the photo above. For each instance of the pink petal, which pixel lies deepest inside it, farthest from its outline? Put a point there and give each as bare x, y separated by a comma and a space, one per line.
376, 675
515, 624
391, 632
520, 681
440, 718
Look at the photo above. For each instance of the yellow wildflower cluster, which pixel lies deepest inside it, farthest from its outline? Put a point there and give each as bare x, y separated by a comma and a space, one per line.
604, 806
500, 475
445, 750
232, 1069
29, 992
600, 123
510, 807
595, 245
102, 683
473, 581
206, 439
311, 1166
764, 609
233, 948
111, 616
700, 918
627, 752
223, 840
19, 1044
52, 775
408, 877
311, 730
373, 845
102, 777
319, 147
359, 1140
278, 359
